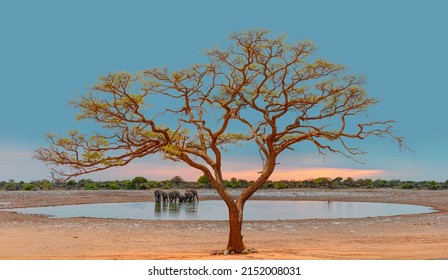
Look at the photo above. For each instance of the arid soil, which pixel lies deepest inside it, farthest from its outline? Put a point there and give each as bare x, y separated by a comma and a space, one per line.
423, 236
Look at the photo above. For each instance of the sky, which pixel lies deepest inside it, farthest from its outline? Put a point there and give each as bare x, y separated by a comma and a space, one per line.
50, 51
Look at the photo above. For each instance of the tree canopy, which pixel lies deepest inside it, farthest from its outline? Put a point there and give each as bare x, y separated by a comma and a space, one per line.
259, 89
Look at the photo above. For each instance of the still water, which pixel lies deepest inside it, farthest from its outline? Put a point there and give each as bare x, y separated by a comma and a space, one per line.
216, 210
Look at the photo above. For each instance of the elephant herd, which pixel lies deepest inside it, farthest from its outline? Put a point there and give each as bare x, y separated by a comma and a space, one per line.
173, 196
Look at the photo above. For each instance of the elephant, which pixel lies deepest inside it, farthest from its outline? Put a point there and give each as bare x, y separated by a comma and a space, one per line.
189, 196
165, 197
195, 194
173, 196
182, 198
157, 195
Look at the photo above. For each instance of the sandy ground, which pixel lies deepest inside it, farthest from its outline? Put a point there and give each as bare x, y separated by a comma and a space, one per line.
423, 236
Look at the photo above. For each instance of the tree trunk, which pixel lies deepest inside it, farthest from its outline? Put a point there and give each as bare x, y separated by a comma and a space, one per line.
235, 223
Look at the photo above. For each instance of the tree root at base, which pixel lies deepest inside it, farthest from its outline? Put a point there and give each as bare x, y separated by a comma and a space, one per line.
232, 252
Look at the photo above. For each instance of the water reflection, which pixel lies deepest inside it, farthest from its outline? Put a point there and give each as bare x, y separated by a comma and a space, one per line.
173, 210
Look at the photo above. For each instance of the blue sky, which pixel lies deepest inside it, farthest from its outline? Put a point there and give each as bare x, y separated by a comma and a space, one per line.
50, 51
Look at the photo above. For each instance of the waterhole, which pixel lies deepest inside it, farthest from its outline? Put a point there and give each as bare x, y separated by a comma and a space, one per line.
216, 210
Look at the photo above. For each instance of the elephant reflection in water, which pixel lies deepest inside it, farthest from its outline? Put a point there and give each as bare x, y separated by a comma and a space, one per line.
165, 207
193, 208
161, 209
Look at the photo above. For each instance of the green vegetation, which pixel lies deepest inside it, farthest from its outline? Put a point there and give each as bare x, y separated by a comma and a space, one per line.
141, 183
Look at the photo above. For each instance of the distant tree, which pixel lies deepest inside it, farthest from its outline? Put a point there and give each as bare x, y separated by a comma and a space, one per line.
307, 183
29, 187
44, 185
204, 182
234, 183
71, 184
258, 90
322, 182
364, 183
138, 182
90, 186
393, 183
243, 183
280, 185
378, 183
408, 185
10, 185
167, 184
177, 181
349, 182
112, 186
129, 185
337, 182
155, 184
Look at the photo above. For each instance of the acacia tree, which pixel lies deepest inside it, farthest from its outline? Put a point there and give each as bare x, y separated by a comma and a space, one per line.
257, 90
177, 181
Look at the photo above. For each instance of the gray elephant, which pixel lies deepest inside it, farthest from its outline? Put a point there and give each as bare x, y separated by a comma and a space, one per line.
182, 198
157, 195
173, 196
193, 193
165, 197
189, 196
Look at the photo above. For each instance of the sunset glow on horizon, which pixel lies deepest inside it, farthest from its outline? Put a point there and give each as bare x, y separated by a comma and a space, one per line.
311, 173
164, 172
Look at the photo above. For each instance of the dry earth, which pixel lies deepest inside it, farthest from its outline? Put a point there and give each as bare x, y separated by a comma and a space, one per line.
423, 236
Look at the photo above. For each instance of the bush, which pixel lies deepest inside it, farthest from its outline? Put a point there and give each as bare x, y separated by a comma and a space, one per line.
407, 186
112, 186
90, 187
29, 187
280, 185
